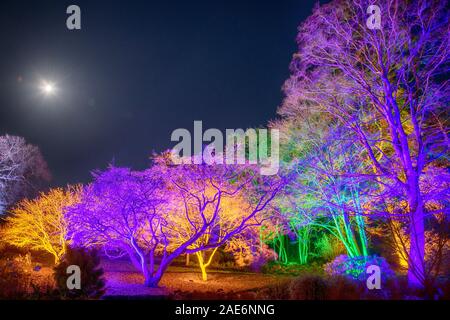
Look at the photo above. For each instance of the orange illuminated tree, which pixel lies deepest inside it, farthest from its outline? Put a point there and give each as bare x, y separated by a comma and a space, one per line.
211, 205
230, 210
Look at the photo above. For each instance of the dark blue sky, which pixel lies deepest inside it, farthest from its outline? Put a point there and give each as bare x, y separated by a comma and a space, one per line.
138, 70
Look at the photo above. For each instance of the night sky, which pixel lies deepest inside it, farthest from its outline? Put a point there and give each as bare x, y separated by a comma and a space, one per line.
136, 71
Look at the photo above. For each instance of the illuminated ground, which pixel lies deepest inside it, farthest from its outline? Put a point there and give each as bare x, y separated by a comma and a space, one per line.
179, 281
122, 280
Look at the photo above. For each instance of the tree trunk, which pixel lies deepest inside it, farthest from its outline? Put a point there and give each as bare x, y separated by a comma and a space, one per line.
416, 259
204, 274
146, 271
416, 263
153, 281
202, 265
140, 262
167, 260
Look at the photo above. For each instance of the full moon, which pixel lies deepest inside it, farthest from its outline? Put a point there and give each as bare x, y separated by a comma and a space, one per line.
48, 88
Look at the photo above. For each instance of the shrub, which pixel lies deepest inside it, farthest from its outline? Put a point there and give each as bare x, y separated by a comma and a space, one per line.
339, 287
345, 288
278, 291
310, 287
329, 247
355, 268
314, 287
274, 267
92, 282
14, 280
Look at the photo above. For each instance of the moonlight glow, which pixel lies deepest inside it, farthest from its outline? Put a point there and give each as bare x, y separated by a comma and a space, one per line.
48, 88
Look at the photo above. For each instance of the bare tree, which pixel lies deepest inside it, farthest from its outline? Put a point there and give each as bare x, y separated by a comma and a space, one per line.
22, 168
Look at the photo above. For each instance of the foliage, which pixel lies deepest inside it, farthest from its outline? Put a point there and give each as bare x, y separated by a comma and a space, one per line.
292, 268
355, 267
308, 288
92, 282
389, 88
324, 194
314, 287
318, 287
249, 252
14, 280
329, 247
395, 242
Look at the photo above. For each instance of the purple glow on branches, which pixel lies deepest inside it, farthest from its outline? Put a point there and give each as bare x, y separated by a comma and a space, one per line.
145, 214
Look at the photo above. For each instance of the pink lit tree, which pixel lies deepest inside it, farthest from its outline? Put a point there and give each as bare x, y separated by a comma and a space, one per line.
389, 86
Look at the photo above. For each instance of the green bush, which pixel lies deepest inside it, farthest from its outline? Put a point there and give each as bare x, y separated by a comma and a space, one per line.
328, 247
274, 267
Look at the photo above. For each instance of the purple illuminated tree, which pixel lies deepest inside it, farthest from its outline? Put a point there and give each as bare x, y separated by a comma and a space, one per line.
390, 87
213, 205
145, 214
121, 213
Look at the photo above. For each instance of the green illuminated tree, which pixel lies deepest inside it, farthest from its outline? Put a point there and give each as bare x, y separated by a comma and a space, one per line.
324, 192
